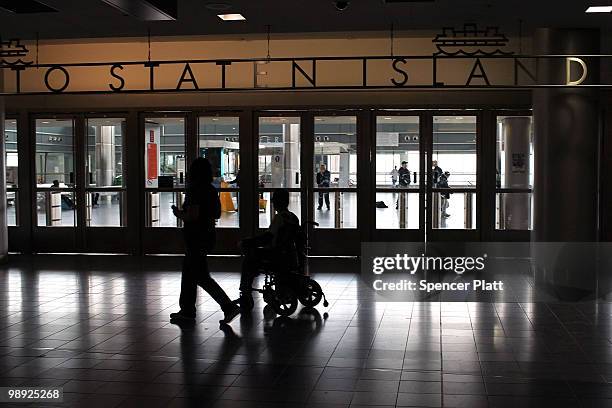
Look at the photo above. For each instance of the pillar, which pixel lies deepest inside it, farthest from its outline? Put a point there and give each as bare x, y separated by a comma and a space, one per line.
3, 221
344, 170
516, 136
105, 155
566, 139
291, 142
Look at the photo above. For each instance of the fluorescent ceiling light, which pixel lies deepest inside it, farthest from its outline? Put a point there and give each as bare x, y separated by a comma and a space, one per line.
599, 9
231, 17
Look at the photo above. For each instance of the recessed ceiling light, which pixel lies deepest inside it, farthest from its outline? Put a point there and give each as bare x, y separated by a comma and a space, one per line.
45, 122
599, 9
231, 17
218, 6
387, 118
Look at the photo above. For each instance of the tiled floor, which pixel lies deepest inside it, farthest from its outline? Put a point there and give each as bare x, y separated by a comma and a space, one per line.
99, 329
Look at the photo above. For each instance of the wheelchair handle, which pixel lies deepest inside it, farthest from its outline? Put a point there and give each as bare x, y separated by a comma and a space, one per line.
316, 224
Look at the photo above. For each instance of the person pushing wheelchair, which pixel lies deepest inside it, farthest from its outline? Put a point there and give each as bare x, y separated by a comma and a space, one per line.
277, 248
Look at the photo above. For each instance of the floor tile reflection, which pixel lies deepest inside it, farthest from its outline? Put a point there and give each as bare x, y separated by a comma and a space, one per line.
98, 327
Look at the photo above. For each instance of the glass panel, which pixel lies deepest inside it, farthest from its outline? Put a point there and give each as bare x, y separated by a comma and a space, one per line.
12, 164
160, 208
164, 140
453, 211
342, 212
229, 210
265, 207
12, 159
335, 151
389, 213
514, 152
454, 151
54, 152
104, 160
397, 147
219, 142
55, 208
279, 152
105, 209
514, 211
11, 209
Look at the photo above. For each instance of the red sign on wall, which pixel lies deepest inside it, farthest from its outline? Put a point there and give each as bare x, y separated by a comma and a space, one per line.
152, 160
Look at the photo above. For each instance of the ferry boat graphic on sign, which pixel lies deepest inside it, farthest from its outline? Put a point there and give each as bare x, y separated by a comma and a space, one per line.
11, 52
471, 41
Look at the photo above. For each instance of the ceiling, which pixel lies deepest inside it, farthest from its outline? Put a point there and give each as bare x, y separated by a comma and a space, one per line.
96, 18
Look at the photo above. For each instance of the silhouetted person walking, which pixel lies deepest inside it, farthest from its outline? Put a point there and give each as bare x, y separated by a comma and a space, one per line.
200, 211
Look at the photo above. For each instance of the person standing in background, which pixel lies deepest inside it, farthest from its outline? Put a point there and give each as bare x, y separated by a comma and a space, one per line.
404, 179
436, 172
404, 175
323, 181
394, 176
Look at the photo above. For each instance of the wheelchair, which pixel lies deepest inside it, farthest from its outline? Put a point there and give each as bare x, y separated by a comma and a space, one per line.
285, 285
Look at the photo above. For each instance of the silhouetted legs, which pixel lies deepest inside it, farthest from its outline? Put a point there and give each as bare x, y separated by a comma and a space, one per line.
196, 273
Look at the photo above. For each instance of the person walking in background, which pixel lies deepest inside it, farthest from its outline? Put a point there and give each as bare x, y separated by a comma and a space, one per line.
404, 175
445, 196
403, 178
394, 176
436, 172
323, 180
200, 211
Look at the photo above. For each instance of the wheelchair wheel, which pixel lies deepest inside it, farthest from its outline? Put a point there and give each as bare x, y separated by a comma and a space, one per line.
284, 301
311, 293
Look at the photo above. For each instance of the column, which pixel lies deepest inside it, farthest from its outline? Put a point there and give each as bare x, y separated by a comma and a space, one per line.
291, 143
105, 158
516, 135
566, 159
344, 170
3, 222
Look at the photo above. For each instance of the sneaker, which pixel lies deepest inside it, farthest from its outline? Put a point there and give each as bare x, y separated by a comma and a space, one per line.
230, 314
445, 215
319, 207
182, 316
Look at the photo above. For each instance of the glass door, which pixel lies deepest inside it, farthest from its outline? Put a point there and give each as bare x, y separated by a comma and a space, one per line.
55, 198
453, 183
278, 163
105, 218
12, 174
165, 172
219, 141
399, 179
514, 164
333, 160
